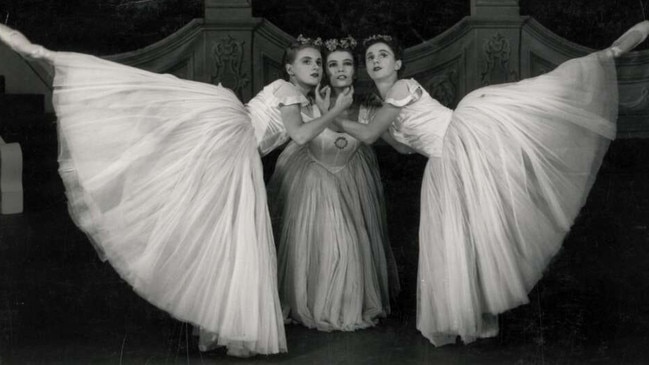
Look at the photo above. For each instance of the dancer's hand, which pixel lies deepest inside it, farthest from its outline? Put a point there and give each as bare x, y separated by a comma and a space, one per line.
323, 98
345, 99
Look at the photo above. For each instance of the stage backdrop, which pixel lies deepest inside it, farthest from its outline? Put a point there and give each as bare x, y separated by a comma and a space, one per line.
494, 44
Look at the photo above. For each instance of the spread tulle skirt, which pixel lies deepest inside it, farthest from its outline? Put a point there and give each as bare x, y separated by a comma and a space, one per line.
336, 268
164, 177
518, 162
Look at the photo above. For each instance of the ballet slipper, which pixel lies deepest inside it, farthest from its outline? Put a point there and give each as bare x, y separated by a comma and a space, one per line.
239, 351
19, 43
630, 39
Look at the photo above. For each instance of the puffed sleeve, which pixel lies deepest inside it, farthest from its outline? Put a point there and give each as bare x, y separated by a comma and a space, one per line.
404, 92
287, 94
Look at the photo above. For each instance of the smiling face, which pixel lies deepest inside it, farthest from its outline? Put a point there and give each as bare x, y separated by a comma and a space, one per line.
340, 69
381, 62
306, 69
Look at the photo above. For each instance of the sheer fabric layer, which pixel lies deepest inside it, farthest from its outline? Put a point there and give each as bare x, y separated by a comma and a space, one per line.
517, 165
336, 269
164, 176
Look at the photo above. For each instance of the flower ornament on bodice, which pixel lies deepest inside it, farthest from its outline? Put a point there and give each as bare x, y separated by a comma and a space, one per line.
341, 143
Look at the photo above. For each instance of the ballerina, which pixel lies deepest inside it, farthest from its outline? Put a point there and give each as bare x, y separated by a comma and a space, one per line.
336, 268
164, 176
508, 172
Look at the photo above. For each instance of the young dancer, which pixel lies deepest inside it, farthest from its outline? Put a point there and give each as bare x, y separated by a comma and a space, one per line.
508, 172
336, 268
164, 176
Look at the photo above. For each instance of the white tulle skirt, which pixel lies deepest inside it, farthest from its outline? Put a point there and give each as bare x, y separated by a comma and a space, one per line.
164, 176
518, 162
336, 268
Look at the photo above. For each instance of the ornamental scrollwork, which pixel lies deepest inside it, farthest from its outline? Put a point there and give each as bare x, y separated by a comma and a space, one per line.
496, 69
227, 54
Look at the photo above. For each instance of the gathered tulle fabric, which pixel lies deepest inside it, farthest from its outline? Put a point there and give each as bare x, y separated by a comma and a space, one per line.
164, 176
518, 162
336, 268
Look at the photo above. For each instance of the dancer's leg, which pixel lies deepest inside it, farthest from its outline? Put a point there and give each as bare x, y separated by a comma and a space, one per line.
630, 39
19, 43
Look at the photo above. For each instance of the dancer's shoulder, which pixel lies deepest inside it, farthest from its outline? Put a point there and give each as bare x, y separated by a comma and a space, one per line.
286, 93
404, 92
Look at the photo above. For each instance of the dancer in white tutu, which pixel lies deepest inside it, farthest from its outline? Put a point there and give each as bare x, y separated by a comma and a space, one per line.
336, 268
164, 175
508, 171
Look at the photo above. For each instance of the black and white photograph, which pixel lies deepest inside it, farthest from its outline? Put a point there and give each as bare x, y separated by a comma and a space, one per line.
324, 182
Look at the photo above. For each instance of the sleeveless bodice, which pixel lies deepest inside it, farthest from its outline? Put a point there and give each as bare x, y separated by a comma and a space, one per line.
422, 122
332, 149
265, 115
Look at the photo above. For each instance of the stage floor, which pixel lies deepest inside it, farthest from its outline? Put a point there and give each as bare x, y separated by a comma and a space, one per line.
60, 305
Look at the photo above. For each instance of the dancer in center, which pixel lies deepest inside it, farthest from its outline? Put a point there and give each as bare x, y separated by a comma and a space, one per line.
336, 268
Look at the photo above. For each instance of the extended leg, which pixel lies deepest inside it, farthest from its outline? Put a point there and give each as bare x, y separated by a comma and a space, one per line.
19, 43
630, 39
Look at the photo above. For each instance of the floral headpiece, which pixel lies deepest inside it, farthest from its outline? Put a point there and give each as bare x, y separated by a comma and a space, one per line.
377, 37
347, 43
308, 41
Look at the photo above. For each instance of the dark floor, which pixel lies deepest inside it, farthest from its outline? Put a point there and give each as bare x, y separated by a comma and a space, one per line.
60, 305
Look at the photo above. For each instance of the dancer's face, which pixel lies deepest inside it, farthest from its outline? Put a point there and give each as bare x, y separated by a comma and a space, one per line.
380, 61
340, 69
307, 67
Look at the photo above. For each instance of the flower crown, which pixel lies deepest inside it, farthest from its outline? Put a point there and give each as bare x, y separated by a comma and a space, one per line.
379, 37
347, 43
308, 41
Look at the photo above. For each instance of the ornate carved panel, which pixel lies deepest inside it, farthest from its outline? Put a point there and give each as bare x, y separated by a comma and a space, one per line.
443, 87
442, 81
227, 56
496, 67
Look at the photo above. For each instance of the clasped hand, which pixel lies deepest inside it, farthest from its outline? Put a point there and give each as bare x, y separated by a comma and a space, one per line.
342, 102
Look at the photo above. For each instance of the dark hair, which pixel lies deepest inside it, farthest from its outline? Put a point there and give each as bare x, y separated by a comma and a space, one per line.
391, 42
290, 52
327, 52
